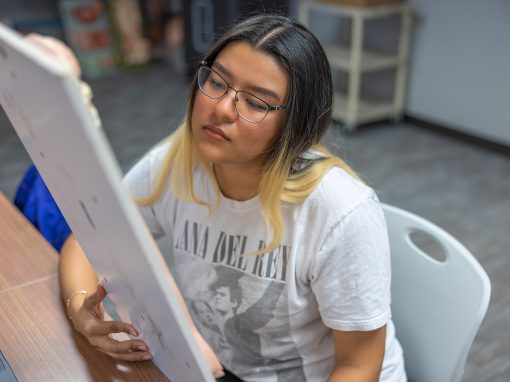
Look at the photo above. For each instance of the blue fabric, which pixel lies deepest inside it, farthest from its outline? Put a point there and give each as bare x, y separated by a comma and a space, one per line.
34, 200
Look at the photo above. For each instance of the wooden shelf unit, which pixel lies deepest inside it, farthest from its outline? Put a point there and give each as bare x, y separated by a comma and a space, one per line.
351, 108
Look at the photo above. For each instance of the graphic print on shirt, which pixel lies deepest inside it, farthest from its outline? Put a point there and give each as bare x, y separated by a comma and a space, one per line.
239, 303
223, 248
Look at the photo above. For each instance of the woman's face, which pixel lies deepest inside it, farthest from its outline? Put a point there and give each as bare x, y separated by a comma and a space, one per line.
223, 137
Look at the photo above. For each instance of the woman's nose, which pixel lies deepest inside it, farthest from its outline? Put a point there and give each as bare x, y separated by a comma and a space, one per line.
226, 106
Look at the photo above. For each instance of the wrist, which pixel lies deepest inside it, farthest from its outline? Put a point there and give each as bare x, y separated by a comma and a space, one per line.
74, 302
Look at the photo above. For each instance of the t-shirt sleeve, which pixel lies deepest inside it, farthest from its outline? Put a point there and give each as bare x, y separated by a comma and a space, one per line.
351, 275
139, 181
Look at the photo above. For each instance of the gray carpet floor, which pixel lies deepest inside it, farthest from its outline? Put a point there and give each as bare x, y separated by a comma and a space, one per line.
461, 187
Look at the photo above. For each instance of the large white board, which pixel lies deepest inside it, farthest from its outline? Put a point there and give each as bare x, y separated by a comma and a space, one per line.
43, 101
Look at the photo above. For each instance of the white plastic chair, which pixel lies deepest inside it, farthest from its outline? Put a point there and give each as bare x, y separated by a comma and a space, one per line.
437, 306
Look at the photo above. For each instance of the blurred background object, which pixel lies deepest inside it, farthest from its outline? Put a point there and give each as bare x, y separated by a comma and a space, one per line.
361, 3
88, 32
133, 46
26, 16
356, 60
164, 26
205, 20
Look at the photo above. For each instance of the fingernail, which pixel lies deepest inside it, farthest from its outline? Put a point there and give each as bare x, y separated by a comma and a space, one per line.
147, 357
142, 347
219, 374
133, 332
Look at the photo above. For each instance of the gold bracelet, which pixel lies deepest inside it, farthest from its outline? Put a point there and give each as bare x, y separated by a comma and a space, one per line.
73, 295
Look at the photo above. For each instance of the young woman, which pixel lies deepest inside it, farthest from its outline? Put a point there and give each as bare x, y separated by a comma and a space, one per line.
283, 243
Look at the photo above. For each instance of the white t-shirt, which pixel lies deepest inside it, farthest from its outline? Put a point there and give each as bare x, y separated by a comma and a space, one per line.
269, 317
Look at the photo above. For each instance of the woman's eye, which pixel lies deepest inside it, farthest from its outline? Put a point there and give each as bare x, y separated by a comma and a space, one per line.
258, 106
217, 84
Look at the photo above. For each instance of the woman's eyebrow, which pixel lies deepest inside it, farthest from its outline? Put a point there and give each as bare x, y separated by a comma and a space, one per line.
258, 89
221, 68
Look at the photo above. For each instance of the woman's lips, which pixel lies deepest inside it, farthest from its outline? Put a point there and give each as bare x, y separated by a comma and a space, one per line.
215, 133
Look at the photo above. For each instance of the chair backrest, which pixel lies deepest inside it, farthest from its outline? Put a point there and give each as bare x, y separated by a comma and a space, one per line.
437, 306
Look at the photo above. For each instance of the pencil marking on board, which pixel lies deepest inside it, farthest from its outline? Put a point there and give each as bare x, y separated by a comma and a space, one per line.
87, 214
64, 172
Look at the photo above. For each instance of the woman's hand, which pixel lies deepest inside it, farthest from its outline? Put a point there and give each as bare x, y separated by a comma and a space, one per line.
57, 49
212, 361
87, 315
64, 54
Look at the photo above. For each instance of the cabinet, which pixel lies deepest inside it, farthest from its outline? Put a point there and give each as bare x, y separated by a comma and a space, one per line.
205, 20
350, 107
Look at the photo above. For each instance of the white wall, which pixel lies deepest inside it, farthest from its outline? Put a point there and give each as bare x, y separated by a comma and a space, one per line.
460, 69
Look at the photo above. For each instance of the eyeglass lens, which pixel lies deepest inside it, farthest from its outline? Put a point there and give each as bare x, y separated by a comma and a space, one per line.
248, 106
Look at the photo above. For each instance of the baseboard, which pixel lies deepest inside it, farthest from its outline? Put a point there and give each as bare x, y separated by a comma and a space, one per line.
462, 136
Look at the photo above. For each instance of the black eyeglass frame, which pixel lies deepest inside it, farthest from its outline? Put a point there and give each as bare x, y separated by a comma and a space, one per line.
269, 106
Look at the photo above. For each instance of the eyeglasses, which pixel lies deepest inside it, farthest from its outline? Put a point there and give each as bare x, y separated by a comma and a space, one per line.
249, 107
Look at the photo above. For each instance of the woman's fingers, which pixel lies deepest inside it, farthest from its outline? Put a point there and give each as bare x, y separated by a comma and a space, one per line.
95, 299
98, 332
131, 350
214, 364
57, 49
100, 293
130, 357
109, 345
107, 327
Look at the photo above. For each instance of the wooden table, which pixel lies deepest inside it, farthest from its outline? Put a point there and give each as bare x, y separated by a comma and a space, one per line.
35, 336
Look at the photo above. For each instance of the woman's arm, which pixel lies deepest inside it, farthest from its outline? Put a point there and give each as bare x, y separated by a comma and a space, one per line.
75, 273
83, 296
358, 355
86, 311
77, 278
